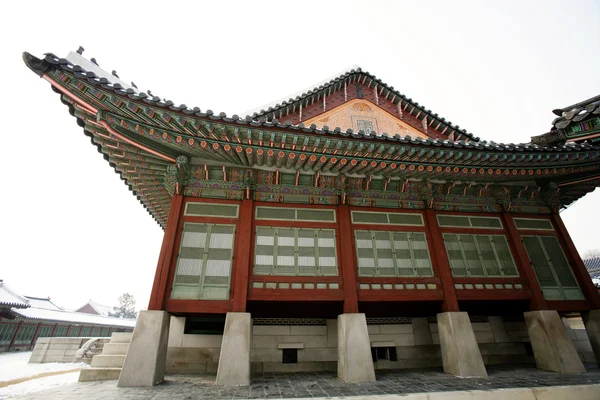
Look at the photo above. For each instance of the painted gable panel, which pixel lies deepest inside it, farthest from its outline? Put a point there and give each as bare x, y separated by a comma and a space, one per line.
359, 114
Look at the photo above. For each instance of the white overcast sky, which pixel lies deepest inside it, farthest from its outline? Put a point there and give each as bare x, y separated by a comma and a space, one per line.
71, 228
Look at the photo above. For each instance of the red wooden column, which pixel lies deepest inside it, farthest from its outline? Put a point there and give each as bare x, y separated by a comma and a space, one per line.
537, 296
349, 269
242, 256
441, 260
578, 267
164, 260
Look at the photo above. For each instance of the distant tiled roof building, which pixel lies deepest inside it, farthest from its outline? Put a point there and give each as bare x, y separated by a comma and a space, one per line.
92, 307
24, 319
10, 299
593, 267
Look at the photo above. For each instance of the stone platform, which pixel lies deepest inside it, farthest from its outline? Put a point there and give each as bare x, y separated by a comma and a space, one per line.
326, 385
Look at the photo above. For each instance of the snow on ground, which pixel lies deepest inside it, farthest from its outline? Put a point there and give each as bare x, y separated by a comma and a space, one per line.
14, 366
35, 385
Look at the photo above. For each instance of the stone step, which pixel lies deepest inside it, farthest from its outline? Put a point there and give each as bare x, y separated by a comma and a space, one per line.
121, 337
115, 348
109, 361
99, 374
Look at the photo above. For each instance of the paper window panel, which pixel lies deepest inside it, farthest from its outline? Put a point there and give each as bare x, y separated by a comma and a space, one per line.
455, 255
507, 262
559, 262
539, 262
203, 265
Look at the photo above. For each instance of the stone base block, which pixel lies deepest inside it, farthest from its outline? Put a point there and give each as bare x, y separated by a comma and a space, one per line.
355, 363
552, 347
99, 374
460, 352
591, 320
147, 355
234, 360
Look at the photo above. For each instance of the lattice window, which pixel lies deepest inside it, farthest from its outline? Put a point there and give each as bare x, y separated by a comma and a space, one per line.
204, 262
25, 335
295, 214
479, 255
60, 331
535, 224
391, 254
7, 332
408, 219
211, 210
459, 221
45, 331
551, 268
295, 251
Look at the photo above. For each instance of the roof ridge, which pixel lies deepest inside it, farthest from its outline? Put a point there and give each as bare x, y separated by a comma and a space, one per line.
359, 71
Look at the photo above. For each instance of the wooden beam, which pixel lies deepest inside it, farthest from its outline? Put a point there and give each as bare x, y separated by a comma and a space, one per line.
242, 256
164, 260
440, 261
578, 267
349, 269
523, 264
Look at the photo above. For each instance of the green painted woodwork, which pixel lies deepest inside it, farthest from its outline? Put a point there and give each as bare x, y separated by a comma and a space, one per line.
551, 267
479, 255
392, 254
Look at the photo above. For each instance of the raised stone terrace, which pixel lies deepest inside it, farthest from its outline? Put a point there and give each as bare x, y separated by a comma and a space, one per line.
547, 385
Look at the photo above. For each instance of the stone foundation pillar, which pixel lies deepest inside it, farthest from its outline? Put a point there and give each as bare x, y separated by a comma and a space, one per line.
355, 363
146, 358
460, 352
552, 347
234, 360
591, 320
421, 331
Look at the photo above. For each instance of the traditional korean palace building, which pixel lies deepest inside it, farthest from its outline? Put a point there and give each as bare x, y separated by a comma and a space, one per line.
348, 228
25, 319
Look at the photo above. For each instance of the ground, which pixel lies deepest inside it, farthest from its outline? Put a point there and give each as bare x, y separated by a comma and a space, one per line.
64, 386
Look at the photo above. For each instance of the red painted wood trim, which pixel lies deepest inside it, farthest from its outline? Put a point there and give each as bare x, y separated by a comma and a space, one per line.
296, 279
241, 259
493, 294
404, 279
568, 305
34, 338
12, 341
296, 295
583, 278
394, 228
295, 224
523, 264
290, 205
198, 306
440, 262
491, 279
401, 295
348, 270
157, 295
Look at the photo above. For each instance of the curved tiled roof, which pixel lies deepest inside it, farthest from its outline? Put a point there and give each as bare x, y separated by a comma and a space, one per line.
576, 112
372, 79
50, 60
11, 299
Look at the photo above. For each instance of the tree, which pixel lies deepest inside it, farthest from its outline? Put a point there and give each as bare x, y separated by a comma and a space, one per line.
126, 307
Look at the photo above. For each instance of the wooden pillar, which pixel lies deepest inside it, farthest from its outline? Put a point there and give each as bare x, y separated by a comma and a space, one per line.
349, 270
53, 330
34, 338
577, 265
242, 256
164, 260
12, 341
537, 296
441, 261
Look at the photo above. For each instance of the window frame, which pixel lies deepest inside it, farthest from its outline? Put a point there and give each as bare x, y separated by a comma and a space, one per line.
465, 260
391, 234
295, 229
559, 285
200, 284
